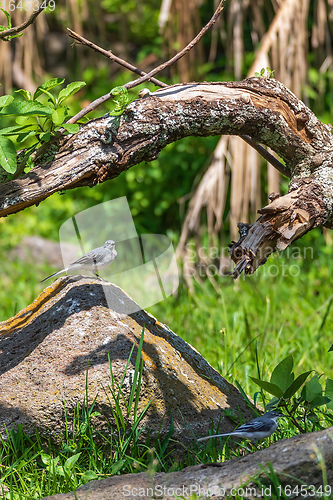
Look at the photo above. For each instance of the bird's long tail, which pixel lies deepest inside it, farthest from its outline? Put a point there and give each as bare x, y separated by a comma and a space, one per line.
55, 274
215, 436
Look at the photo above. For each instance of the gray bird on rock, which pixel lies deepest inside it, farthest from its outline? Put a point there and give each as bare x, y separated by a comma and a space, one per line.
96, 259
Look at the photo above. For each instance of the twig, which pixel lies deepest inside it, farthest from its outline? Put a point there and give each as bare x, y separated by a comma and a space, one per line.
265, 154
180, 54
23, 26
110, 55
262, 151
93, 105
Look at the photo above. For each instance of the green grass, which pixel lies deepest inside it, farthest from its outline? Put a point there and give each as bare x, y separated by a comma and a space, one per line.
36, 466
244, 331
32, 467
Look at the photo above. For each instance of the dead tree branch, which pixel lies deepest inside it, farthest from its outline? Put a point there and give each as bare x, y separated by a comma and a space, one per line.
144, 76
258, 107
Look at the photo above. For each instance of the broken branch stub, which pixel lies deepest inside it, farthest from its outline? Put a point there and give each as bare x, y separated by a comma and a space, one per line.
283, 220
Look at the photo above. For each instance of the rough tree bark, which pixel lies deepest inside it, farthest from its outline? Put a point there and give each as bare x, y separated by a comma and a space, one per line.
261, 108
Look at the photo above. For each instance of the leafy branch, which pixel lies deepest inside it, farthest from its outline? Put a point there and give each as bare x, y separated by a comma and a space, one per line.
11, 32
34, 120
283, 386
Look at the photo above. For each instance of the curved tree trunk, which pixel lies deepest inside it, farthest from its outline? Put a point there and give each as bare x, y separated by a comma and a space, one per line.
261, 108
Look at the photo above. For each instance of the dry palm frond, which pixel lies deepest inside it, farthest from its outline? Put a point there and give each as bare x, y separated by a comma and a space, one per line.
184, 25
211, 193
284, 49
164, 15
285, 45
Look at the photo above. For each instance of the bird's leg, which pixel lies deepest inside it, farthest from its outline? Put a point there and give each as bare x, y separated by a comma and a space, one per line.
253, 446
98, 276
95, 271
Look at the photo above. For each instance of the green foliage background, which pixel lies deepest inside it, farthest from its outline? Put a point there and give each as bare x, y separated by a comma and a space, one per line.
244, 330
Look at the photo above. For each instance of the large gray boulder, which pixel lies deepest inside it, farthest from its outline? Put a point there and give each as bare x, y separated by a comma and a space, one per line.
45, 350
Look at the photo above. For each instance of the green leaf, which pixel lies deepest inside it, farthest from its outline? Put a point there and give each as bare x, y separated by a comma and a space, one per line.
26, 94
58, 116
312, 389
329, 387
5, 100
26, 108
83, 427
71, 461
319, 401
88, 475
30, 163
72, 128
7, 155
313, 417
95, 414
71, 89
24, 120
9, 21
119, 91
282, 374
23, 137
269, 387
121, 99
44, 136
298, 382
16, 129
329, 392
46, 459
68, 449
50, 84
51, 98
117, 466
